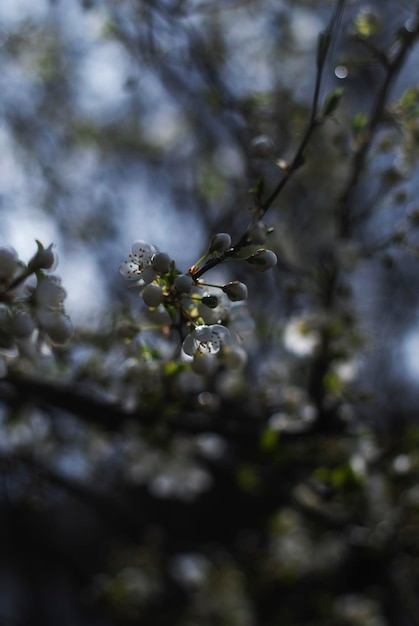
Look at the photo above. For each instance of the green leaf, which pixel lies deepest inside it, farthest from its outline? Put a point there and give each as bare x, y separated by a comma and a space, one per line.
332, 102
359, 123
247, 478
257, 189
269, 439
367, 23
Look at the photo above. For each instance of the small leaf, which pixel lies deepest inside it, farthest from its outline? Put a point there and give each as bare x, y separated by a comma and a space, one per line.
367, 23
258, 188
332, 102
247, 479
269, 439
359, 122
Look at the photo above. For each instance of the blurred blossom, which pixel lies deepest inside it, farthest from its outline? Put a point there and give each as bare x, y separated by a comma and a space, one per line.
211, 445
358, 609
301, 337
402, 464
191, 570
178, 480
347, 371
291, 423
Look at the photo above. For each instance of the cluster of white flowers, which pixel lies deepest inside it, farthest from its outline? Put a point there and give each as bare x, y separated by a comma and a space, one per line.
31, 305
48, 299
200, 311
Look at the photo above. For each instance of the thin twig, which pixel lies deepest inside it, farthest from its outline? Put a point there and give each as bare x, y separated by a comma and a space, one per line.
406, 39
325, 41
324, 45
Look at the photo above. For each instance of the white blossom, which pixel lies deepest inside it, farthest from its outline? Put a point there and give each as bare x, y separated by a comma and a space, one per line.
139, 267
49, 300
49, 294
57, 325
205, 340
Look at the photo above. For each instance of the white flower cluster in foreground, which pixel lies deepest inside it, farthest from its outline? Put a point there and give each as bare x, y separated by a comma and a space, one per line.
203, 314
31, 305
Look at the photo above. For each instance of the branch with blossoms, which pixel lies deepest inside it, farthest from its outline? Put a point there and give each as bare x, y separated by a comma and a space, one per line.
188, 303
185, 301
32, 314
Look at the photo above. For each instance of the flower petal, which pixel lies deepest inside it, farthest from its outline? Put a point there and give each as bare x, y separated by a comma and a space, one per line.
143, 249
189, 345
129, 270
202, 333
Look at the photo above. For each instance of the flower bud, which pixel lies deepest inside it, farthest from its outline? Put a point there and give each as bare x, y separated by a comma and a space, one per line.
22, 325
184, 283
262, 147
210, 301
236, 291
220, 243
152, 295
161, 262
263, 260
44, 259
